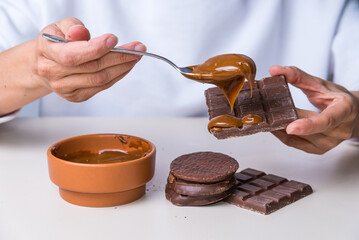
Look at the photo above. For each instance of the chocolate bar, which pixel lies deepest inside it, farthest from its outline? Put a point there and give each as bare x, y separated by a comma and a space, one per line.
265, 193
271, 100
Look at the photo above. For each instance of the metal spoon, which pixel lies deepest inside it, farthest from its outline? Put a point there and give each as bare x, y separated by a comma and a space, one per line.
182, 70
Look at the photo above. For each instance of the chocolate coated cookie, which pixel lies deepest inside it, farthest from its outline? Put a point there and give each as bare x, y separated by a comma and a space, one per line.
185, 200
204, 167
201, 189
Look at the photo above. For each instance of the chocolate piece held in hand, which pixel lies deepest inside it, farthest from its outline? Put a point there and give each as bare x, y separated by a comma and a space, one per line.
265, 193
200, 178
271, 102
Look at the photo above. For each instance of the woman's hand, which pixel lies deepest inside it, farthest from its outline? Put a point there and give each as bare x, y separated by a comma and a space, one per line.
76, 70
319, 132
83, 67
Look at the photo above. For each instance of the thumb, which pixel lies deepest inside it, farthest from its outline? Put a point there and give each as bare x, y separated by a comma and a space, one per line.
310, 122
73, 29
306, 124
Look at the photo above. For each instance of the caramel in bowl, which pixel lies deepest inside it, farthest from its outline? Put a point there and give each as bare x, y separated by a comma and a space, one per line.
101, 170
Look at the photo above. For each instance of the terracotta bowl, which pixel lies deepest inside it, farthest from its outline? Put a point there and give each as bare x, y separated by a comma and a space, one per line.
101, 184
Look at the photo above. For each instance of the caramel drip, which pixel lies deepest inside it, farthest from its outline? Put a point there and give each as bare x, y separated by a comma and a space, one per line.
226, 121
228, 72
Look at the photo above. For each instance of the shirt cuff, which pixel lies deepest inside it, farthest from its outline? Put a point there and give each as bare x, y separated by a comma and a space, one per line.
9, 117
354, 141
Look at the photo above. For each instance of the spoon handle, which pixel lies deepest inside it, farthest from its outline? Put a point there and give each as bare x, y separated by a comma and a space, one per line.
57, 39
123, 50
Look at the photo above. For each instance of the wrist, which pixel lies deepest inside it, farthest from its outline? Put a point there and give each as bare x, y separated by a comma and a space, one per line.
34, 81
19, 85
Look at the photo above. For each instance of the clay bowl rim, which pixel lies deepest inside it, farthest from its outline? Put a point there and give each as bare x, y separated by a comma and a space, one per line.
150, 153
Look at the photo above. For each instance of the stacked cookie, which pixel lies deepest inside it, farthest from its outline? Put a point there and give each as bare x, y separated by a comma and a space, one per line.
201, 178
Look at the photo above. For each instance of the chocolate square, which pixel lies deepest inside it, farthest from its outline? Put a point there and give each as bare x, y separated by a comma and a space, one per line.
271, 99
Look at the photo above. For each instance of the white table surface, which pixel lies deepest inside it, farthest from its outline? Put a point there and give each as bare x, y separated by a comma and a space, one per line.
31, 208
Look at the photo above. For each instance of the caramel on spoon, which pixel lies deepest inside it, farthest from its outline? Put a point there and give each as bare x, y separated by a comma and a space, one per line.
227, 71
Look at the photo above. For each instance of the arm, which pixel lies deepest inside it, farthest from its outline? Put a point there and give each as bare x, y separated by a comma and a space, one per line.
76, 71
18, 85
319, 132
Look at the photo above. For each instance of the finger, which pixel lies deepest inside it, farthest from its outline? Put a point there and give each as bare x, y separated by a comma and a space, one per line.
67, 23
52, 70
307, 83
72, 53
311, 122
322, 142
90, 80
316, 143
72, 29
138, 46
83, 94
296, 127
95, 90
295, 141
78, 33
110, 59
343, 132
78, 52
317, 90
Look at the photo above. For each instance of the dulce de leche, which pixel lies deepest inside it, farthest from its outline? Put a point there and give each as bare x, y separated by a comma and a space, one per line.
227, 71
226, 121
104, 156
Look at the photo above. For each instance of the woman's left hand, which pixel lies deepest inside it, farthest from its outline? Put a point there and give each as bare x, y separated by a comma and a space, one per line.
319, 132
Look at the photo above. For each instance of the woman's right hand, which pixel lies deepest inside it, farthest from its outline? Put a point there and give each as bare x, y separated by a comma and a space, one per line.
82, 67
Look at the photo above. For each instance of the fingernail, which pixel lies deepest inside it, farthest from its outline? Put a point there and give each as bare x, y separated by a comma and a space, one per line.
68, 34
140, 47
77, 25
293, 130
281, 67
111, 41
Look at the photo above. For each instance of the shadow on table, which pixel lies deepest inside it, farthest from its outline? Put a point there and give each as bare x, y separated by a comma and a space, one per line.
348, 163
343, 172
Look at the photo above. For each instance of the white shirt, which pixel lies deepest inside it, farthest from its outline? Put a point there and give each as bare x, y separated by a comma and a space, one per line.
320, 37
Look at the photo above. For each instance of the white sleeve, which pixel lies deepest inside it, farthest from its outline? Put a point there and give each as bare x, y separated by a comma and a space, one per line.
19, 22
8, 117
345, 48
